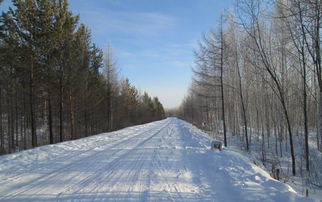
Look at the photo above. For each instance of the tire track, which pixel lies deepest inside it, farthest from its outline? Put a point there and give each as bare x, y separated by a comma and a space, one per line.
53, 174
111, 165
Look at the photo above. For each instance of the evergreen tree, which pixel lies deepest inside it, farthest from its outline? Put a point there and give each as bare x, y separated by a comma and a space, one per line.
51, 79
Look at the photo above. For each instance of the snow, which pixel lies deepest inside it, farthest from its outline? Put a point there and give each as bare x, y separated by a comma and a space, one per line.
168, 160
301, 183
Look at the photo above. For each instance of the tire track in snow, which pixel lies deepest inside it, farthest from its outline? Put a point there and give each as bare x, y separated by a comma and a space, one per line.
121, 154
65, 158
162, 169
53, 174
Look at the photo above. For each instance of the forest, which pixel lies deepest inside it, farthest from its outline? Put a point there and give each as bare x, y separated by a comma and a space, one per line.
56, 84
257, 79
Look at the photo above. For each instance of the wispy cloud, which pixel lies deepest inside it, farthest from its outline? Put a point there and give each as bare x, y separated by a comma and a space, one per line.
129, 23
181, 64
191, 45
127, 54
166, 51
142, 53
173, 55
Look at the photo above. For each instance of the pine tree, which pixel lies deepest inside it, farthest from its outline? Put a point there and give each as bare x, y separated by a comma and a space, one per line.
51, 78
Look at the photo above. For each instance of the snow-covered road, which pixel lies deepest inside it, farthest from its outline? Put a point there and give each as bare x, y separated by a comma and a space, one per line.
168, 160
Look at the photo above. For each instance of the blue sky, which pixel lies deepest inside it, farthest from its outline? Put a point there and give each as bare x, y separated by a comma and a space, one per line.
153, 40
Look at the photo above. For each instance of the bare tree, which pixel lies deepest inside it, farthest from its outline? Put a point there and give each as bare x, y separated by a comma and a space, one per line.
253, 25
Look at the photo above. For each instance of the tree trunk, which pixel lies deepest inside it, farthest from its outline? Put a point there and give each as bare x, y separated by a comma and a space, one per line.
9, 121
25, 121
317, 121
86, 123
61, 91
12, 125
306, 133
50, 121
72, 116
1, 129
276, 139
320, 119
108, 108
31, 105
221, 81
243, 105
290, 135
16, 118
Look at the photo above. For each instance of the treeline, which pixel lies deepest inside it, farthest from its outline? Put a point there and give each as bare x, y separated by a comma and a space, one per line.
258, 76
55, 84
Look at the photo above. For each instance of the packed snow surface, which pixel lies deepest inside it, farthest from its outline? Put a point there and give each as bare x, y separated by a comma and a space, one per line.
168, 160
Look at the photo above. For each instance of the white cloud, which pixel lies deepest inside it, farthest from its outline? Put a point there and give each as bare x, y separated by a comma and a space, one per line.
173, 54
126, 54
190, 45
181, 64
130, 23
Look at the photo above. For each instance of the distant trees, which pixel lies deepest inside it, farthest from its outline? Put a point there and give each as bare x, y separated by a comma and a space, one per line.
55, 84
271, 71
137, 108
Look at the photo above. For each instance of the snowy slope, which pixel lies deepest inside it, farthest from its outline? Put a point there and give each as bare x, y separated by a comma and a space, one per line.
168, 160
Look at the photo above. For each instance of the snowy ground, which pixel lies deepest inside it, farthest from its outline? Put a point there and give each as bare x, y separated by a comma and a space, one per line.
304, 182
168, 160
